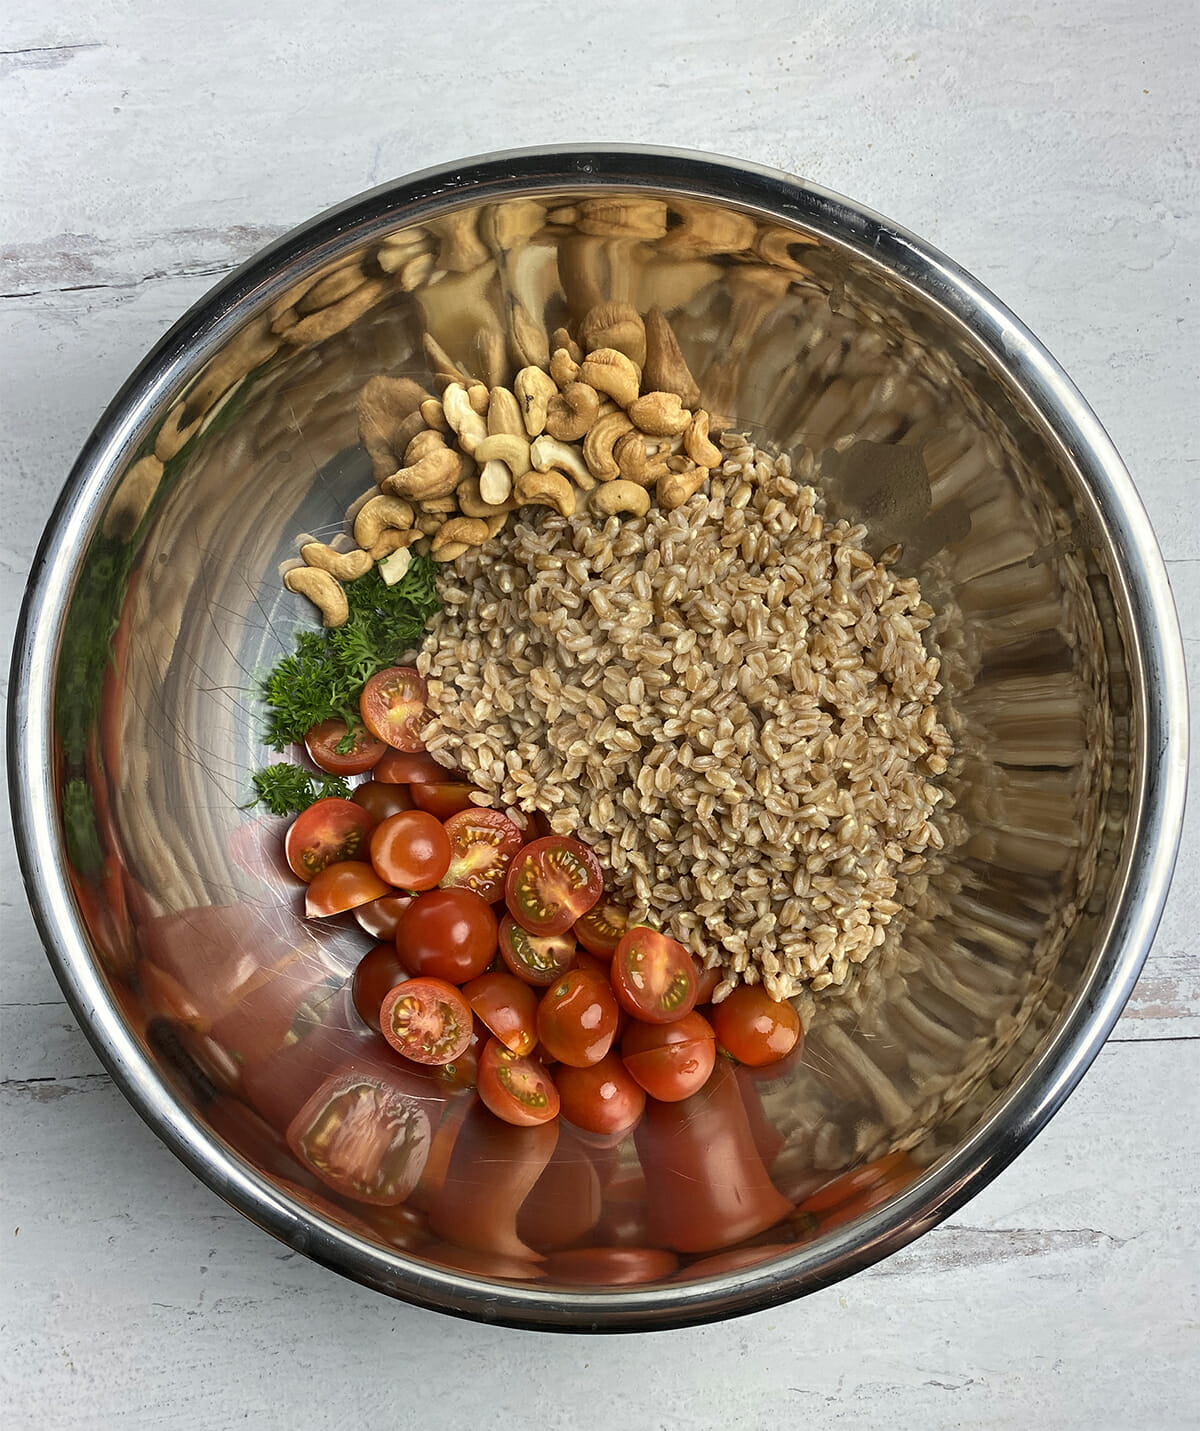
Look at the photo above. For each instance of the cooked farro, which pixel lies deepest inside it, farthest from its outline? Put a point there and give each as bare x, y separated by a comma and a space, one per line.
731, 703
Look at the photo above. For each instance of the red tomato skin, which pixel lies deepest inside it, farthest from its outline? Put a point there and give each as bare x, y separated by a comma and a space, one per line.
409, 767
706, 1185
517, 1090
410, 850
482, 846
551, 883
706, 982
392, 706
381, 917
380, 800
433, 1000
536, 959
610, 1266
600, 928
376, 975
577, 1018
734, 1260
754, 1028
342, 886
670, 1061
653, 977
443, 799
849, 1187
603, 1098
565, 1202
507, 1006
322, 741
449, 934
329, 831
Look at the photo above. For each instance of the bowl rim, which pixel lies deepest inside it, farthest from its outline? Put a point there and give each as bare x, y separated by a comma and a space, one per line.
1156, 671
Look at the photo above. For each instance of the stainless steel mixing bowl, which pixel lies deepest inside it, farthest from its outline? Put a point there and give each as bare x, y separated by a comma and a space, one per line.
155, 603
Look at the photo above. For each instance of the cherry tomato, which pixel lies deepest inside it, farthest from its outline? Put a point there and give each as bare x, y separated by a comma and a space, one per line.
342, 886
610, 1266
755, 1028
670, 1061
707, 981
426, 1020
706, 1187
603, 1098
577, 1018
448, 934
376, 975
365, 1134
536, 959
654, 977
328, 831
410, 850
551, 883
507, 1006
443, 798
323, 740
381, 917
518, 1090
392, 705
410, 767
482, 845
380, 800
599, 930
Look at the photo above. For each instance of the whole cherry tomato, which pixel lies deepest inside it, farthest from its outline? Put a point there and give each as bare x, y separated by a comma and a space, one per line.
577, 1018
410, 850
755, 1028
450, 934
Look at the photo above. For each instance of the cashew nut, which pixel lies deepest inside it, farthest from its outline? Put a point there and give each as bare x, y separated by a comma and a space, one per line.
495, 525
696, 444
427, 523
377, 516
468, 426
598, 445
346, 566
613, 497
614, 325
659, 413
561, 338
495, 483
546, 489
479, 396
421, 445
505, 447
611, 372
470, 531
450, 552
434, 475
471, 503
504, 414
394, 565
534, 389
445, 505
570, 413
434, 416
564, 368
391, 540
384, 406
635, 462
674, 488
324, 591
547, 452
665, 369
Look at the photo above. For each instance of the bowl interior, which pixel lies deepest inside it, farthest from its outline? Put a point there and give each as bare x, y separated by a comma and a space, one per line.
811, 343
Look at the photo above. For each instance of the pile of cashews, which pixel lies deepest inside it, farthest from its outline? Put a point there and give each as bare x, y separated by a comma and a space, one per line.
613, 423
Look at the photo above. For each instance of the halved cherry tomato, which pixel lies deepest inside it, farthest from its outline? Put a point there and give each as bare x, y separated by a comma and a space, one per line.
363, 748
365, 1134
610, 1266
577, 1018
380, 800
376, 975
706, 981
518, 1090
443, 798
426, 1020
392, 705
536, 959
604, 1098
409, 767
551, 883
670, 1061
328, 831
599, 930
482, 845
755, 1028
448, 934
507, 1006
381, 917
410, 850
342, 886
653, 977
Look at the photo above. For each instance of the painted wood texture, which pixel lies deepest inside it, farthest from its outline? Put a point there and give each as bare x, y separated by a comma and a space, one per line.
1050, 149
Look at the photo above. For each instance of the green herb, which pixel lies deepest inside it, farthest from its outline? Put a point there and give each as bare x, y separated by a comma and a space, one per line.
287, 789
324, 676
79, 828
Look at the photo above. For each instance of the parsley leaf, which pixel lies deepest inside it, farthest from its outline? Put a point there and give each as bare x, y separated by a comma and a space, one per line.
287, 789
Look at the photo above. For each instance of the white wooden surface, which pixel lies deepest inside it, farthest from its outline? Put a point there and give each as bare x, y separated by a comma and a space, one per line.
1052, 149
